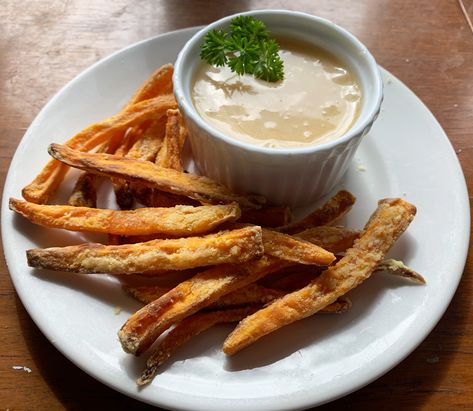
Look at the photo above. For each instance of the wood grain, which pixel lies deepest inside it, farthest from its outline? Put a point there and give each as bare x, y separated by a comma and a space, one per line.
43, 45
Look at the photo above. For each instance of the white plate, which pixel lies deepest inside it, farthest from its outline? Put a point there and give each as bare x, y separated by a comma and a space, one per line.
407, 154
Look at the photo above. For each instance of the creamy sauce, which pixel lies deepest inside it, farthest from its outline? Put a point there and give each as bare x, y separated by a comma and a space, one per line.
318, 100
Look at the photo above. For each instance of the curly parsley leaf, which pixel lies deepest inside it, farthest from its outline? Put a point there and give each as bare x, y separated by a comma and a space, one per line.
246, 49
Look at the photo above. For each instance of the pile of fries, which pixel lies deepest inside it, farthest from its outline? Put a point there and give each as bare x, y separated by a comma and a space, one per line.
245, 261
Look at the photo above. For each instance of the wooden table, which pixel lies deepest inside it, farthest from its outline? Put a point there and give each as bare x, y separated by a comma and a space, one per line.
43, 44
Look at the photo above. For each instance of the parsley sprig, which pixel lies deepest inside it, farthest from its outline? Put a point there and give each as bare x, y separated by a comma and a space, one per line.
246, 49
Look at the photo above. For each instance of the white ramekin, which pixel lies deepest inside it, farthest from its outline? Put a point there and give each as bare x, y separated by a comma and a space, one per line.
290, 176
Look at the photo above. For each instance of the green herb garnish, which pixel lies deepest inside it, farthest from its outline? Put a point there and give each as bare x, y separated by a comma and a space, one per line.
246, 49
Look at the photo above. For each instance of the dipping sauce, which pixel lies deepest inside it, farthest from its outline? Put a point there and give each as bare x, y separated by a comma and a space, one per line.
318, 100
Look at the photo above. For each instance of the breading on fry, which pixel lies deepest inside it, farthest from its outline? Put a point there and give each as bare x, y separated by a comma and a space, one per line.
289, 248
84, 193
144, 172
47, 181
333, 239
183, 332
232, 247
145, 147
176, 133
328, 213
176, 221
386, 224
251, 294
188, 297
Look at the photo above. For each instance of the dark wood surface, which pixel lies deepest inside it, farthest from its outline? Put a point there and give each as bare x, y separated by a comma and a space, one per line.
428, 44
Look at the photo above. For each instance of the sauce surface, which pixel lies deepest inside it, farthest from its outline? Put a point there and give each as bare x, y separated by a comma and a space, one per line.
318, 100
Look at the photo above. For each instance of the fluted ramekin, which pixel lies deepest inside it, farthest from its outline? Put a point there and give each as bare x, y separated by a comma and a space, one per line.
290, 176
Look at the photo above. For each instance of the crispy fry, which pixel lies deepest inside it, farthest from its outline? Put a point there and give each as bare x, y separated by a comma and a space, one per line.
288, 248
144, 172
333, 239
383, 228
267, 216
251, 294
148, 144
179, 254
169, 156
47, 181
145, 147
332, 210
198, 323
158, 84
148, 323
396, 267
84, 193
176, 221
176, 133
183, 332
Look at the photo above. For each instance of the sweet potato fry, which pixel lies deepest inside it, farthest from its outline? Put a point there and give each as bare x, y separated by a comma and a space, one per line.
332, 210
144, 172
267, 216
198, 323
84, 193
148, 323
177, 221
396, 267
176, 133
148, 144
288, 248
183, 332
145, 147
158, 84
169, 156
251, 294
333, 239
232, 247
47, 181
383, 228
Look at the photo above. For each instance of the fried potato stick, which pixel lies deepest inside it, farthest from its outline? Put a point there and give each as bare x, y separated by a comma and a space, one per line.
387, 223
158, 84
183, 332
144, 172
47, 181
84, 193
251, 294
202, 321
333, 239
169, 156
176, 221
145, 147
143, 327
328, 213
188, 297
288, 248
232, 247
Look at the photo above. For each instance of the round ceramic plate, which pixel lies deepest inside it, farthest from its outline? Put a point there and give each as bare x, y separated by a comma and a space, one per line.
316, 360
